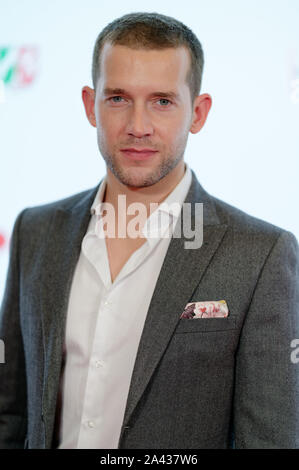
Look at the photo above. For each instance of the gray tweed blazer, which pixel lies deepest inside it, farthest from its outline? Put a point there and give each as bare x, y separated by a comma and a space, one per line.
196, 384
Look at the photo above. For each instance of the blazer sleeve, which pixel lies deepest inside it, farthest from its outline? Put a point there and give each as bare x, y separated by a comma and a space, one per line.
13, 396
266, 395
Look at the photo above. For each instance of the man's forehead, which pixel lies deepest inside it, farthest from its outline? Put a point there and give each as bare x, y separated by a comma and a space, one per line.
166, 67
178, 54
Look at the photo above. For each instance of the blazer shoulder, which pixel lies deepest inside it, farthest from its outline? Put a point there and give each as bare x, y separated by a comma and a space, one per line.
43, 212
242, 223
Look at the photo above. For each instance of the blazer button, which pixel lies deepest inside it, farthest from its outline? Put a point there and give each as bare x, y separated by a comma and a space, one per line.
42, 416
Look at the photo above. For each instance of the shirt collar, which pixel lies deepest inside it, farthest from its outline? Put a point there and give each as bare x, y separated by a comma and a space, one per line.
173, 203
99, 197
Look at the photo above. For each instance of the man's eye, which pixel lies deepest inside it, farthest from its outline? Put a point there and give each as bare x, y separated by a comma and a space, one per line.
164, 102
116, 99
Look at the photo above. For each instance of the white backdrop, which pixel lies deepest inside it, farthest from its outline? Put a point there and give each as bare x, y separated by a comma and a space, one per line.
248, 152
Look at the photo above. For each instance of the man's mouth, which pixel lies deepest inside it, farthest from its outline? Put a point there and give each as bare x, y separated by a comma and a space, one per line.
138, 154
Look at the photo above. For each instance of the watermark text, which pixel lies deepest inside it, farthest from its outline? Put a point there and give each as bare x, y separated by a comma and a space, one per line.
138, 220
2, 352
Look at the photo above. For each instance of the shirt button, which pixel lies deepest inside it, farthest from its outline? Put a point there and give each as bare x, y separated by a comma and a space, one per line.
106, 302
99, 364
91, 424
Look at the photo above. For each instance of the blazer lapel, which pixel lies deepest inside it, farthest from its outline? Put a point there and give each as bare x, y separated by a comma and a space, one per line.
61, 252
180, 275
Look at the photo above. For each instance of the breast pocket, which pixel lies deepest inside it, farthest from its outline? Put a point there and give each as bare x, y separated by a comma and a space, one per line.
202, 325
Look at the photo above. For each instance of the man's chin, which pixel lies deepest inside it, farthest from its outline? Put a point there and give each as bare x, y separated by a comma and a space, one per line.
137, 177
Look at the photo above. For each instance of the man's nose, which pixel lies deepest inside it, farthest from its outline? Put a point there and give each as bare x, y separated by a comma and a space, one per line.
139, 124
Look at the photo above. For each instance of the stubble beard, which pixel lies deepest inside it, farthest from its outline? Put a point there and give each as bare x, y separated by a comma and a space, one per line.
136, 177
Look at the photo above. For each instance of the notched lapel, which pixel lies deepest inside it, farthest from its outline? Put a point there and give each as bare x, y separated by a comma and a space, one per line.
180, 276
60, 256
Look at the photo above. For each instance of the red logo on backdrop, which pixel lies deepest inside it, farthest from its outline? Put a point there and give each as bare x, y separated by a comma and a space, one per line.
26, 65
2, 240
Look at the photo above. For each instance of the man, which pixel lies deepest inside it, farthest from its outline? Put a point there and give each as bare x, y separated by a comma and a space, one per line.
103, 349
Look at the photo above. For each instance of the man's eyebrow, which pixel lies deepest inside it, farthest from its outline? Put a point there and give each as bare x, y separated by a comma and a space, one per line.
121, 91
114, 91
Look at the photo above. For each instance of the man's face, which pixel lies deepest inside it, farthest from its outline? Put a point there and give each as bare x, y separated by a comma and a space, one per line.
142, 102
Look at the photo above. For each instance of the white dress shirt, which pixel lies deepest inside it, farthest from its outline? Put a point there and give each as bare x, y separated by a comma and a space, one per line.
104, 325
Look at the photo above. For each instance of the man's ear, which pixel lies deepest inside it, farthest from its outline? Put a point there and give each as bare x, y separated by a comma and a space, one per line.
88, 97
201, 108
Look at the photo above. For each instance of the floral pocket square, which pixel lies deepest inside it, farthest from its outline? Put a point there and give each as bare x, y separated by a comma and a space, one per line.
206, 309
